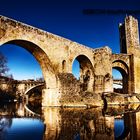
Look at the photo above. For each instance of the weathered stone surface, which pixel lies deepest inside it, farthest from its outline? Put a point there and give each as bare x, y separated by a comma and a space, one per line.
102, 70
129, 40
73, 94
121, 99
115, 99
56, 55
2, 32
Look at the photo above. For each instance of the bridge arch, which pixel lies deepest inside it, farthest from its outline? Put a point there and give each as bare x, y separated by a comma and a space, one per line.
122, 67
120, 64
86, 72
40, 56
33, 87
28, 93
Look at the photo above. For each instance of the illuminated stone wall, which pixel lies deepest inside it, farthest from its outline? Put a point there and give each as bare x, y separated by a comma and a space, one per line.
129, 42
103, 70
56, 55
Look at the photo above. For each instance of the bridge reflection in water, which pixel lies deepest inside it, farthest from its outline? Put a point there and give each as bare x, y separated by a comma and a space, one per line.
119, 122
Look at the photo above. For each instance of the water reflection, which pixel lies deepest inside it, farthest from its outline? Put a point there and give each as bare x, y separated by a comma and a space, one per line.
77, 124
121, 122
21, 129
5, 124
16, 123
118, 122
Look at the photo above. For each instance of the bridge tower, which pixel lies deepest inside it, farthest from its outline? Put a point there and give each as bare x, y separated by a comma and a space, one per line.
129, 44
129, 35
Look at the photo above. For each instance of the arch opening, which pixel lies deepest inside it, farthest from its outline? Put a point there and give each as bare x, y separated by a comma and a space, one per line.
117, 81
41, 57
64, 66
82, 69
33, 98
120, 77
76, 69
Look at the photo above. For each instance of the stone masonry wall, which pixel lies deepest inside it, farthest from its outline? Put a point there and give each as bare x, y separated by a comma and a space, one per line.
102, 70
51, 51
73, 94
133, 47
132, 34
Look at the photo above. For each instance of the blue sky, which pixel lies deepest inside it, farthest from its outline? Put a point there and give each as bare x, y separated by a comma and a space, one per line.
21, 63
64, 18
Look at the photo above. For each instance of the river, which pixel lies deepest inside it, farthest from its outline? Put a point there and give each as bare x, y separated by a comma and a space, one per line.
19, 122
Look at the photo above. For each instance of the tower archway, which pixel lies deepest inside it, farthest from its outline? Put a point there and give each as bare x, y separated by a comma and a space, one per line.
123, 69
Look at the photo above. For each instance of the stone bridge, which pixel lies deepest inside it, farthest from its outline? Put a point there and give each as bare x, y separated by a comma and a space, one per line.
56, 55
38, 87
20, 87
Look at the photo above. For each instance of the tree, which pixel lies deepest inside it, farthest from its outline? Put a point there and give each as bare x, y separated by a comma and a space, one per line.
3, 65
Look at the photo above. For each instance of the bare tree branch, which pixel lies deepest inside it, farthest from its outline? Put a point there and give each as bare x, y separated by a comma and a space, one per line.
3, 65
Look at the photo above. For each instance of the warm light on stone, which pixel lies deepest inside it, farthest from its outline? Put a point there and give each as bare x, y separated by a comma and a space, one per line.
52, 120
56, 55
21, 111
50, 97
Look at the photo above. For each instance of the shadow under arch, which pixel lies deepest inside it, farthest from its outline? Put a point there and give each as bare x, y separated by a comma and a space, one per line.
123, 69
31, 112
30, 89
86, 72
28, 108
41, 57
124, 134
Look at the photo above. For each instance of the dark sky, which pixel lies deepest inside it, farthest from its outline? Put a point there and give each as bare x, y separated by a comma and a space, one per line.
66, 18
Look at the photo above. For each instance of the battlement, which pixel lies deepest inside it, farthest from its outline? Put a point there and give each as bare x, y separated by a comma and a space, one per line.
130, 18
